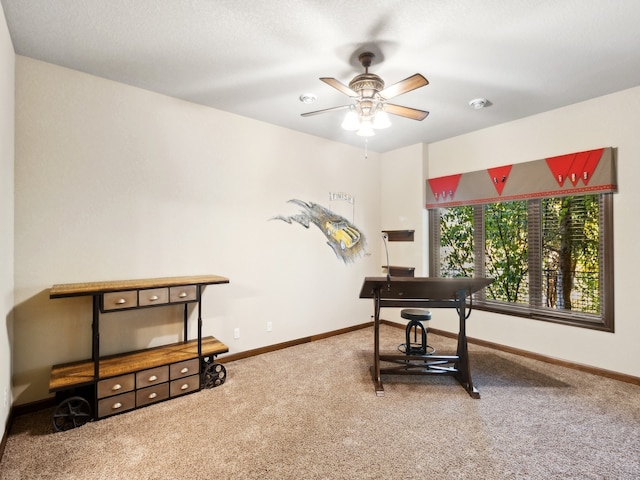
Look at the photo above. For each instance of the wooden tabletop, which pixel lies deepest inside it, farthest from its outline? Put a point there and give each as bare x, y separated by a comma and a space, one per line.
96, 288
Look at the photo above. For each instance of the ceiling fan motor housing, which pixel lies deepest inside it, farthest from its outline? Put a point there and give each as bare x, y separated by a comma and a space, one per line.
366, 85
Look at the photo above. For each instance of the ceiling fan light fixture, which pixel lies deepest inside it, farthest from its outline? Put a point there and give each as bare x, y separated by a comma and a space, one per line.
381, 120
351, 121
366, 129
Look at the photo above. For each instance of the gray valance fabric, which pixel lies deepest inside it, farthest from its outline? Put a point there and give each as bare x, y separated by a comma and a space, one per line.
571, 174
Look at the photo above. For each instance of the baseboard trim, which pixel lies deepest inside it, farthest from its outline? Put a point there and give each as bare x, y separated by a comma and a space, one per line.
601, 372
291, 343
32, 407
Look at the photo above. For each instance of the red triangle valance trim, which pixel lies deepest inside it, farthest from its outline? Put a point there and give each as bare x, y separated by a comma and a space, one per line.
588, 171
499, 176
444, 188
574, 166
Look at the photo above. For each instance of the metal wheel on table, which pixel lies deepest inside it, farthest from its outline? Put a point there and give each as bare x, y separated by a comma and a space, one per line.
71, 413
213, 375
206, 361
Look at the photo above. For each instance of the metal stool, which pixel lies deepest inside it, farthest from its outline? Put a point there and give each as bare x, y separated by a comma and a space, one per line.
416, 316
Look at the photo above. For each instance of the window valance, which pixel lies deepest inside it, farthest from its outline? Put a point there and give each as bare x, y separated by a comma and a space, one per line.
572, 174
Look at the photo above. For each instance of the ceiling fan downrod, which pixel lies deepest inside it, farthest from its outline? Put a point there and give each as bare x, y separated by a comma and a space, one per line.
366, 84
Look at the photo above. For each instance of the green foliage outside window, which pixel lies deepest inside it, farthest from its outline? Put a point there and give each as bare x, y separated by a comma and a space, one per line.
506, 251
571, 253
456, 242
558, 241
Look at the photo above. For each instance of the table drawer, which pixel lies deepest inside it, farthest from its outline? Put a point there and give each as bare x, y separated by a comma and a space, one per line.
119, 300
185, 385
185, 293
153, 394
184, 369
153, 296
152, 376
117, 404
115, 385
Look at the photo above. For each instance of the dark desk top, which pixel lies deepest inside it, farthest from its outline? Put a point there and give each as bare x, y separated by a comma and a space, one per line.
426, 288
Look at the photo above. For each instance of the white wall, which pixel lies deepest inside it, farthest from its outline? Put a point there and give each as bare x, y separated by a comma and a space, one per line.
613, 121
7, 125
115, 182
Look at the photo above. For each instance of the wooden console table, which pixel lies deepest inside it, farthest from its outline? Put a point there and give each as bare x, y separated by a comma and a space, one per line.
423, 292
102, 386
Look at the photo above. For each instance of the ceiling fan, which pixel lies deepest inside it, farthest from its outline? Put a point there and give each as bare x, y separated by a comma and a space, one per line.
370, 109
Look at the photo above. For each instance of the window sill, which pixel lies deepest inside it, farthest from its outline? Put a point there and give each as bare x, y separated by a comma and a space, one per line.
593, 322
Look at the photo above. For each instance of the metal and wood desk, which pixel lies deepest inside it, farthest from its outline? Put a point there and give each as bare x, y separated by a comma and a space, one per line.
423, 292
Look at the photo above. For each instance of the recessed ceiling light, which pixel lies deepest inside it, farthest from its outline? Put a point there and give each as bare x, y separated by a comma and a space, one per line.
478, 103
308, 98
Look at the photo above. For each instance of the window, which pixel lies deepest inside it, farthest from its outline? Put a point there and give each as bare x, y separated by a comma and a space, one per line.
551, 258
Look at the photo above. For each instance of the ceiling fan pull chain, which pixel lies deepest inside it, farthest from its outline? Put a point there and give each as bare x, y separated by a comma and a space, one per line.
366, 150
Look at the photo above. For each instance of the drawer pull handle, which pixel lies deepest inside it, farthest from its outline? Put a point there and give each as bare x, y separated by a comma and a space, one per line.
153, 298
182, 294
153, 395
117, 386
121, 301
184, 370
117, 405
184, 387
153, 378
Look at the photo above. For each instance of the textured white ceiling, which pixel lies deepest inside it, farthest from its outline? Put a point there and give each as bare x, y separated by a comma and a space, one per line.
254, 58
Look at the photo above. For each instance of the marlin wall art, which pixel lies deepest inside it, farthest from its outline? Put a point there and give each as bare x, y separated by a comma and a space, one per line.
347, 242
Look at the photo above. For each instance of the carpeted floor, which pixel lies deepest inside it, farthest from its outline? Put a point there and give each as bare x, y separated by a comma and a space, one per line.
311, 412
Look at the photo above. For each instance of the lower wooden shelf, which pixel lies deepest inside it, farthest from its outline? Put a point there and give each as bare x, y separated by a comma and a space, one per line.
81, 373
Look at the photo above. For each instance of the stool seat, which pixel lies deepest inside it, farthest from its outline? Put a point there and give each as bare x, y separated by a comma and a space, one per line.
416, 314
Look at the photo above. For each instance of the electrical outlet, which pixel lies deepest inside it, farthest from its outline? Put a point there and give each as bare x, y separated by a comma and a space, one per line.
269, 326
236, 333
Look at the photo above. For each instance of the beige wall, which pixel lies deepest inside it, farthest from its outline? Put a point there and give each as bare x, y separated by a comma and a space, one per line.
115, 182
610, 120
7, 76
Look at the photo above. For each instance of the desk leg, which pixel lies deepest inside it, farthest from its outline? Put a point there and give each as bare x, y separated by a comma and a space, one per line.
464, 367
375, 370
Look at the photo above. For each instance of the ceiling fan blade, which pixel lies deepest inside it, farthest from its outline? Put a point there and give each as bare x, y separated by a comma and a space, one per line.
339, 86
407, 112
404, 86
342, 107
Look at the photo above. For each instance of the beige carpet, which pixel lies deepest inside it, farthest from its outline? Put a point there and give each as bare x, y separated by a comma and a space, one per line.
311, 412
